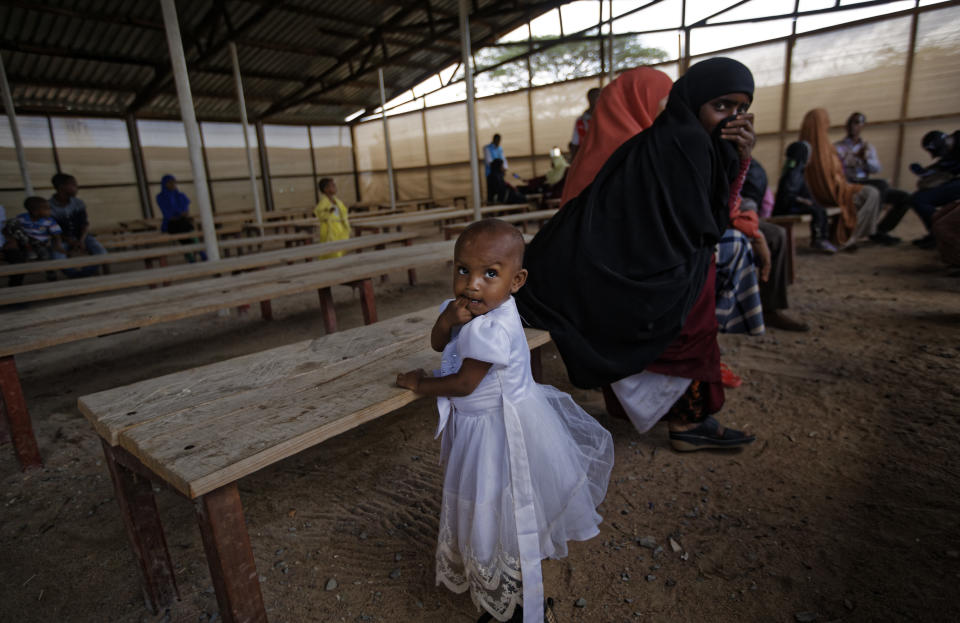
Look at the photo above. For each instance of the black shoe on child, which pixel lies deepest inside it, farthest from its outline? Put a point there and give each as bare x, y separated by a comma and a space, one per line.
927, 242
882, 237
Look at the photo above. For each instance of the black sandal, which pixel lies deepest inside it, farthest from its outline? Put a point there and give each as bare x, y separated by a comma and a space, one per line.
705, 436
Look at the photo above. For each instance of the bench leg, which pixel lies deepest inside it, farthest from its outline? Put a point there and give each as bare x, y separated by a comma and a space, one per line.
327, 310
16, 417
536, 364
412, 272
230, 556
144, 530
266, 310
367, 303
791, 251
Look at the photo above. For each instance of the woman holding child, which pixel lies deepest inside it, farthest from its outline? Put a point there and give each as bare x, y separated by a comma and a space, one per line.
624, 276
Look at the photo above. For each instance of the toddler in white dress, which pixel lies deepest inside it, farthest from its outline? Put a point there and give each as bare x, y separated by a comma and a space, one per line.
526, 467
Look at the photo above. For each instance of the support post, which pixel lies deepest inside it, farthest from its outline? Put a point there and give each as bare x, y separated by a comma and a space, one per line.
241, 102
139, 169
905, 100
192, 129
426, 151
386, 141
15, 130
264, 166
471, 107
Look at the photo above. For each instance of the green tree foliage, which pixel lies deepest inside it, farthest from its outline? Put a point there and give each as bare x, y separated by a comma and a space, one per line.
563, 61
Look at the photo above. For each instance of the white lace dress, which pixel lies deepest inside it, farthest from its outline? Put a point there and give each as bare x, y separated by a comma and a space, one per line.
526, 468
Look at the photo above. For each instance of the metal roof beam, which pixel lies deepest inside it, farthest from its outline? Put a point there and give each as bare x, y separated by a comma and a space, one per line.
216, 12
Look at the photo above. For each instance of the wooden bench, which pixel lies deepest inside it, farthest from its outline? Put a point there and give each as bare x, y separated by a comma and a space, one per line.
537, 216
443, 216
149, 254
145, 239
202, 430
27, 330
787, 221
196, 270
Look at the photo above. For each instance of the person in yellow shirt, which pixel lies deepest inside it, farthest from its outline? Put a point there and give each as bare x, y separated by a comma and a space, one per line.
332, 213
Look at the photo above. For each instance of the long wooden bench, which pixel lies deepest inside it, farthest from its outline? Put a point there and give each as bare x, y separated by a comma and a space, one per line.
27, 330
787, 221
144, 239
202, 430
149, 254
196, 270
443, 216
521, 219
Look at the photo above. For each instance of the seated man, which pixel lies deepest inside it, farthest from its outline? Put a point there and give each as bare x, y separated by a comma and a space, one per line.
499, 190
33, 235
860, 162
939, 183
70, 213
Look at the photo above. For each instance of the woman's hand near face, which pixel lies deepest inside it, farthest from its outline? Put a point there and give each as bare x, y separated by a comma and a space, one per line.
740, 132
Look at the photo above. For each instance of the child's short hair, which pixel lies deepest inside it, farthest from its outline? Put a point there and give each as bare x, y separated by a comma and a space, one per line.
495, 227
32, 203
59, 179
322, 184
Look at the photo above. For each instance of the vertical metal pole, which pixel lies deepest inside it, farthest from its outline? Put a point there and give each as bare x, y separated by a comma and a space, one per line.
471, 108
613, 64
600, 46
904, 102
353, 157
246, 138
386, 142
787, 78
533, 152
15, 130
53, 145
138, 168
189, 117
264, 165
313, 165
426, 151
685, 59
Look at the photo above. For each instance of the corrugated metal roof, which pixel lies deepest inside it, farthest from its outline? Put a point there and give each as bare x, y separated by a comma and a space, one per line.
302, 61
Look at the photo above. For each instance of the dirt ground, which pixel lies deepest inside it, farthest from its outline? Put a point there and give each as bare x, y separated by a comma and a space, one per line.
846, 508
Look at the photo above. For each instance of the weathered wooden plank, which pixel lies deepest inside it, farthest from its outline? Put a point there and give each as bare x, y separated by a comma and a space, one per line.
190, 452
25, 330
113, 411
197, 270
138, 255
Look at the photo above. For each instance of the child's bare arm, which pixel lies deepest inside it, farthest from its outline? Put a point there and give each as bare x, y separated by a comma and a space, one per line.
56, 244
460, 384
455, 314
804, 201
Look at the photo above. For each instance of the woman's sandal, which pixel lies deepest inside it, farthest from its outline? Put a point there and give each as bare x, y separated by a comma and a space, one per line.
705, 436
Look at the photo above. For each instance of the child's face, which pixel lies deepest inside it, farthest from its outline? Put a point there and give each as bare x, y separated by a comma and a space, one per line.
40, 209
69, 188
486, 271
171, 184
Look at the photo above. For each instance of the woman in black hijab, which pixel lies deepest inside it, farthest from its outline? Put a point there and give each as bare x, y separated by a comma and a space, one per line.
623, 275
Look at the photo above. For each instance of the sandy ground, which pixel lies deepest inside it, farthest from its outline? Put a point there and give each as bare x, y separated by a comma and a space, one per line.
845, 509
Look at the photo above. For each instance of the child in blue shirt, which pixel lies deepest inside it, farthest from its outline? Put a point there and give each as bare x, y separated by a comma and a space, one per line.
33, 235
